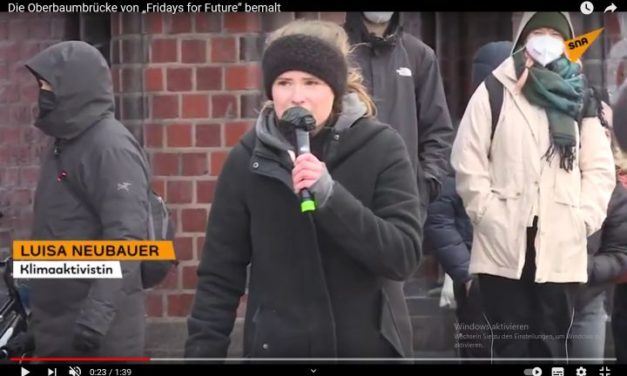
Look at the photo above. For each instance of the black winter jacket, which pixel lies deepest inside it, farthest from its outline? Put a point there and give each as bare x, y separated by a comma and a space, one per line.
403, 76
607, 248
327, 284
448, 231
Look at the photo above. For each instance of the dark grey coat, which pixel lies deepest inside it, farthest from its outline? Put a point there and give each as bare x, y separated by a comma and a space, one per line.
102, 158
607, 249
321, 285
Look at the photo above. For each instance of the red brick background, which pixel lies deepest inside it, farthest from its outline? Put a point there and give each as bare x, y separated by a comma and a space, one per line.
21, 144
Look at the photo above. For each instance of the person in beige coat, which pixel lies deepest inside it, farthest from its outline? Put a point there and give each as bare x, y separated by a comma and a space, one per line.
534, 190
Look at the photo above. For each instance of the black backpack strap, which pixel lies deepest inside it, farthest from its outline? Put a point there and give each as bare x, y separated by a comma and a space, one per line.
495, 95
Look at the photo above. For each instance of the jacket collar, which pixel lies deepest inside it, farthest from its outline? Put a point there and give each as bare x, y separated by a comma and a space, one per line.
358, 32
506, 74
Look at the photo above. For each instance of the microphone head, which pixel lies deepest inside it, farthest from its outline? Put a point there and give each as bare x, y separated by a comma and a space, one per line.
299, 118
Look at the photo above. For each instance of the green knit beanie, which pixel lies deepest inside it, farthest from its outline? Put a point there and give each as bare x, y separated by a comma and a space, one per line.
553, 20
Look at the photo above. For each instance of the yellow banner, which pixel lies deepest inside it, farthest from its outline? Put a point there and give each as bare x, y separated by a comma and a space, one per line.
117, 250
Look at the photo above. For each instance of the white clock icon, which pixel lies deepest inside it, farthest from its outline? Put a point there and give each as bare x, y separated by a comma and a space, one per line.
587, 7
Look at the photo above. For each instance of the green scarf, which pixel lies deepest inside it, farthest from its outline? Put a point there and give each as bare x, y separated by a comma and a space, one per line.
560, 89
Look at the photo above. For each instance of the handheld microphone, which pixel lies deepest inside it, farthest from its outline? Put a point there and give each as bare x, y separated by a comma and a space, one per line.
302, 122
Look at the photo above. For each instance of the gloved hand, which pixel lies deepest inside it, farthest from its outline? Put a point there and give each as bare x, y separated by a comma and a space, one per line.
323, 187
85, 338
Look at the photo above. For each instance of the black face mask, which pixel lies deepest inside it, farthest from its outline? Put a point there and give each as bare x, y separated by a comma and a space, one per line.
47, 102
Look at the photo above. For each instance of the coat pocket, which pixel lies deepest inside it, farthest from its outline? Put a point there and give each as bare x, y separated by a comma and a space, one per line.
496, 234
483, 211
277, 337
497, 204
567, 187
567, 194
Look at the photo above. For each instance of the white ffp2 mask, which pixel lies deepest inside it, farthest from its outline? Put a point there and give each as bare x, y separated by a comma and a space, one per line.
544, 48
378, 17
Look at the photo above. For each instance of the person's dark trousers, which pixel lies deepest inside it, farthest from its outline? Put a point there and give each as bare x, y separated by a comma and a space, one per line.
528, 319
619, 323
472, 334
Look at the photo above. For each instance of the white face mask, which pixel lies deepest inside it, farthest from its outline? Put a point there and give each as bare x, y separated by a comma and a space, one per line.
378, 17
545, 48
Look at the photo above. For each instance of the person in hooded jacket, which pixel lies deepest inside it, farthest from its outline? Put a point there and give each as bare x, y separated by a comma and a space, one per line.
607, 258
619, 312
619, 315
620, 113
310, 272
96, 155
403, 77
449, 232
534, 190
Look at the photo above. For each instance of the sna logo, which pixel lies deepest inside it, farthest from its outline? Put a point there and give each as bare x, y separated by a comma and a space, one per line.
576, 47
578, 43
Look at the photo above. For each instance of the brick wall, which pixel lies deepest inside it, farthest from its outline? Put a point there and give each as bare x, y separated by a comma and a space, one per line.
21, 37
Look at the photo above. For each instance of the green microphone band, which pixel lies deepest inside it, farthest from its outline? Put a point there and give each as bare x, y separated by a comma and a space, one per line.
307, 206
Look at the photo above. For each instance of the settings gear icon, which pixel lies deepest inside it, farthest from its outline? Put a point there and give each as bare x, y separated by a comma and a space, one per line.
581, 371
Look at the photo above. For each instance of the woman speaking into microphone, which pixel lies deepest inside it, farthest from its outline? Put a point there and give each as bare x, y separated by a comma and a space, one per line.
325, 280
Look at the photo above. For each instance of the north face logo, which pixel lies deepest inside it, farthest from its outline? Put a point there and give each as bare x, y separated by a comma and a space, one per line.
404, 72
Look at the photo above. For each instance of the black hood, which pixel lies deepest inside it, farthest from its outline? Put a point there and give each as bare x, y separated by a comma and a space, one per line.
82, 85
487, 58
358, 33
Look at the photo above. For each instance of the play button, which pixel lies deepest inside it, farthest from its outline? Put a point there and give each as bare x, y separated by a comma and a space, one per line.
25, 371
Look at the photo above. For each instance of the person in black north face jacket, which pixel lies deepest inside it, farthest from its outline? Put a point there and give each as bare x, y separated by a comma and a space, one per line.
327, 283
402, 74
95, 155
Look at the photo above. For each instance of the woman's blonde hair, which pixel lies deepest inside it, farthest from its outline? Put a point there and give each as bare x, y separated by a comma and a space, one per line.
525, 74
335, 35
